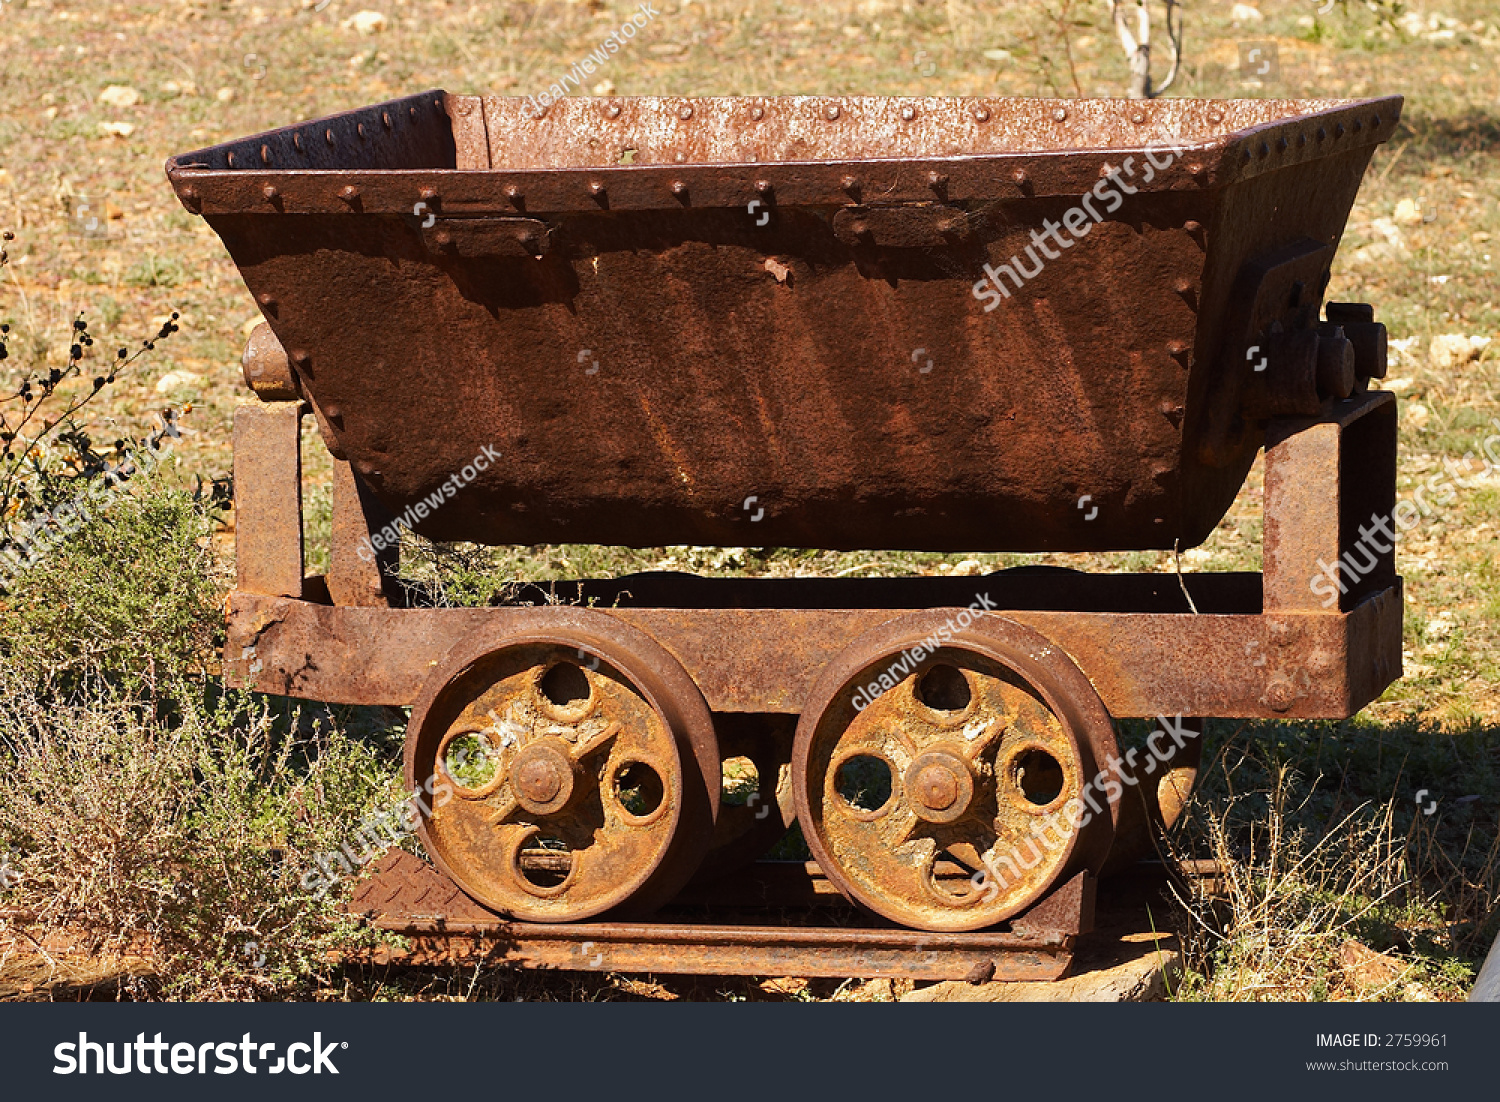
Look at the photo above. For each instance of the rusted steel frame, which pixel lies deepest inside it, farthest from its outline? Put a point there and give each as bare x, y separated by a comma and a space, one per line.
268, 499
1325, 479
268, 171
1295, 664
359, 574
406, 895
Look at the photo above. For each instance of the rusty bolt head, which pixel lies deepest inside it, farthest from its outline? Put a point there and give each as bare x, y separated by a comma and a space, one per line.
1060, 115
612, 111
271, 193
757, 113
908, 112
685, 113
981, 114
939, 786
832, 112
542, 778
1281, 694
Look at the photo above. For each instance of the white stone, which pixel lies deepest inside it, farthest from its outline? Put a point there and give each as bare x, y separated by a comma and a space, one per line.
366, 22
120, 95
1245, 13
175, 380
1450, 350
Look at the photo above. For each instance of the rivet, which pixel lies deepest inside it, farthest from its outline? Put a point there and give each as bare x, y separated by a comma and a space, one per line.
1196, 171
850, 185
1216, 117
265, 154
679, 188
596, 189
908, 113
1265, 150
1020, 177
513, 193
1138, 118
360, 130
229, 159
613, 110
267, 300
1338, 130
982, 114
385, 119
300, 358
1060, 115
465, 107
1358, 126
297, 141
832, 111
429, 195
937, 181
270, 192
1177, 347
757, 113
763, 186
1375, 122
350, 193
328, 136
1183, 286
685, 113
413, 112
1301, 140
1281, 145
443, 238
1322, 134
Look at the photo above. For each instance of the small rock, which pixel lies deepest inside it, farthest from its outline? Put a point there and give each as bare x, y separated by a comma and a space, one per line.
1450, 350
224, 95
604, 88
778, 269
1417, 415
120, 95
175, 380
366, 22
1397, 386
997, 55
1408, 212
116, 129
1244, 13
179, 88
967, 568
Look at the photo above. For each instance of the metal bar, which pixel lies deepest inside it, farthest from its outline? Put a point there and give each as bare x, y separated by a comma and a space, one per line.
358, 574
1313, 521
268, 498
1298, 664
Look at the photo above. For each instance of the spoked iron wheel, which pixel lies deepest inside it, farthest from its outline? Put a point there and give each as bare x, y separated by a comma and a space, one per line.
967, 760
570, 755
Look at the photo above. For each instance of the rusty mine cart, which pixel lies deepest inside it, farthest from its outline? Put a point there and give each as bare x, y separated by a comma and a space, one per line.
775, 322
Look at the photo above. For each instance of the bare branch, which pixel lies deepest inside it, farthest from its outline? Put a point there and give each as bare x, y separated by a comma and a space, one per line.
1174, 36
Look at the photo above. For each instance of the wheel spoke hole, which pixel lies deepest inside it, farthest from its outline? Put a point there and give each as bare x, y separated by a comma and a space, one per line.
546, 862
566, 686
741, 781
639, 789
470, 760
953, 872
864, 782
944, 688
1039, 776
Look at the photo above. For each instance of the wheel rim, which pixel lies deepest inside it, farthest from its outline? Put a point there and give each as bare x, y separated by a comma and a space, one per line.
947, 801
565, 760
